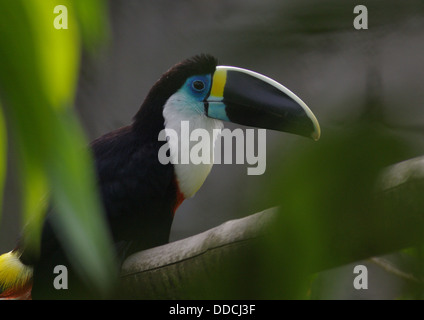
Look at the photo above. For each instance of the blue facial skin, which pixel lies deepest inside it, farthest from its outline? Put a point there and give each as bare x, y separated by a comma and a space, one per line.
199, 88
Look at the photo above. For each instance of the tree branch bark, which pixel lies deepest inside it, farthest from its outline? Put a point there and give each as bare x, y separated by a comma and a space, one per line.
173, 270
211, 264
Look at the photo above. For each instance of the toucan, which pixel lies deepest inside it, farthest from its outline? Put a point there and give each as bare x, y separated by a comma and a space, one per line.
140, 194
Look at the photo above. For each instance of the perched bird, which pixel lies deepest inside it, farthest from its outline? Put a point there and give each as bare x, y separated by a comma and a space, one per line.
139, 193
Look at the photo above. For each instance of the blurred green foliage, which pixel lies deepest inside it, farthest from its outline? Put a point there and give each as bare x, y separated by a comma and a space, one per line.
329, 215
3, 154
332, 211
38, 75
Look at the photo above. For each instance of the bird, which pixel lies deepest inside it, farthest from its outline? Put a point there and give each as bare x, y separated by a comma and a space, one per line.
141, 195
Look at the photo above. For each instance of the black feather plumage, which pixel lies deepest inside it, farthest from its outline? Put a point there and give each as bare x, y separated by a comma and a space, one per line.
138, 193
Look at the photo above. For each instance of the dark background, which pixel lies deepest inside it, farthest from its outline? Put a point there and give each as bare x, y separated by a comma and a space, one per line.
309, 46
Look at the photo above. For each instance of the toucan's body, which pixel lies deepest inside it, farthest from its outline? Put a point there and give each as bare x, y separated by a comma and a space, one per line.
139, 193
140, 197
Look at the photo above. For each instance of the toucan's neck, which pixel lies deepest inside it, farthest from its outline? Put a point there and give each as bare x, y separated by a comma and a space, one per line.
183, 121
154, 117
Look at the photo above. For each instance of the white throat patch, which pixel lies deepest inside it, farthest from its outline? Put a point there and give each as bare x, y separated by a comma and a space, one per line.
177, 109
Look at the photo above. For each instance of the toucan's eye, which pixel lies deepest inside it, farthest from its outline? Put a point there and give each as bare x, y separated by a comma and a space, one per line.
198, 85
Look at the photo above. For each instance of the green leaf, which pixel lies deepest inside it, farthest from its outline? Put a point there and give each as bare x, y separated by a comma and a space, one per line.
38, 77
3, 156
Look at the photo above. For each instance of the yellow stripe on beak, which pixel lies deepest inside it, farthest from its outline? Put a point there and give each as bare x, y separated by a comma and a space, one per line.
218, 83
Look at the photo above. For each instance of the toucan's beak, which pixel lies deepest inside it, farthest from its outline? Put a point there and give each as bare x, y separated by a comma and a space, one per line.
249, 98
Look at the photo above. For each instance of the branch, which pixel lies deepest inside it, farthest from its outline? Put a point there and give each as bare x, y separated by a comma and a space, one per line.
212, 264
172, 271
392, 269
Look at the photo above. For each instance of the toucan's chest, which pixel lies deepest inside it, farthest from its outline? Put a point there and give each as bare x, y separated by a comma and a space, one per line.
130, 178
179, 198
183, 123
139, 194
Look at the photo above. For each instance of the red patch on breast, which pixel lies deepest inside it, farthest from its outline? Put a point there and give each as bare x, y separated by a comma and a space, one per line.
179, 197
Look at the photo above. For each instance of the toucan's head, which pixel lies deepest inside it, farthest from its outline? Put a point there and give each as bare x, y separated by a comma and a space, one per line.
198, 86
199, 92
